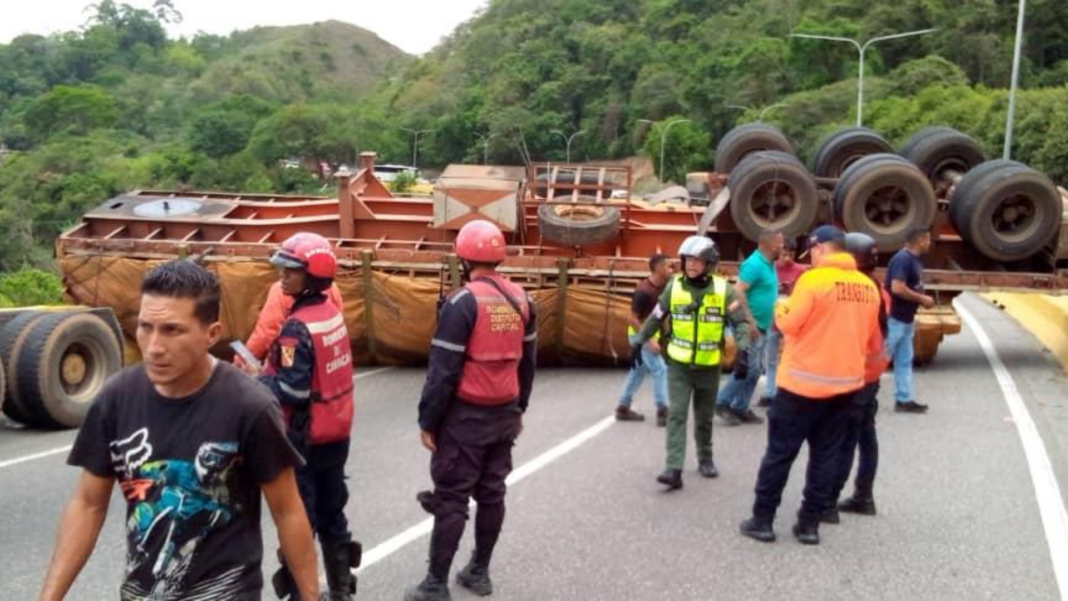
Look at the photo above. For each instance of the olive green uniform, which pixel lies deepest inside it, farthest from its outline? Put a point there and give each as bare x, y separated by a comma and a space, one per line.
694, 365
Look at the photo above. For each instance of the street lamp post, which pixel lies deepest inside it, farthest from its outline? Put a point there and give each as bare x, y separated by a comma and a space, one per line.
1010, 119
485, 146
663, 141
415, 143
861, 49
568, 140
764, 111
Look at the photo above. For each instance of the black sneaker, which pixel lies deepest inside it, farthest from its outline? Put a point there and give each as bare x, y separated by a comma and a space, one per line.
671, 479
765, 401
661, 417
475, 578
626, 414
707, 468
910, 407
758, 529
830, 516
431, 588
748, 417
858, 506
729, 417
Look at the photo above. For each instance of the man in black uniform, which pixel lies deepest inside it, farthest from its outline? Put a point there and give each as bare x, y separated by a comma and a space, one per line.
478, 385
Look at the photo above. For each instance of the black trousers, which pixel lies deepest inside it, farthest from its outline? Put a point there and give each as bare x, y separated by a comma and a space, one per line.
860, 439
792, 421
322, 487
473, 459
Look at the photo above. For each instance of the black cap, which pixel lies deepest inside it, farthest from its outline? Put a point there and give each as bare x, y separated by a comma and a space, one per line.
822, 234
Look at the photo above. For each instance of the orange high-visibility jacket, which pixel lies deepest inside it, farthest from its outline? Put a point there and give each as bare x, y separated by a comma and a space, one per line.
830, 325
274, 314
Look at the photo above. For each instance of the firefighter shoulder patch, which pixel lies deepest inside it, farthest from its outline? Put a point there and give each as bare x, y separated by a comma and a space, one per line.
287, 351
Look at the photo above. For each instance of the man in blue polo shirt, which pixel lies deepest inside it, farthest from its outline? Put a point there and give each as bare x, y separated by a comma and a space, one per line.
758, 288
904, 280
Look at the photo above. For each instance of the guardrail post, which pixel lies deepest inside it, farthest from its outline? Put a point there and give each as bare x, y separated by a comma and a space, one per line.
368, 306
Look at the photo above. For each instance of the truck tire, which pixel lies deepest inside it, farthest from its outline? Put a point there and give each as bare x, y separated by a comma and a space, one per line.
575, 224
935, 150
745, 140
773, 190
1006, 210
844, 148
63, 365
12, 335
885, 196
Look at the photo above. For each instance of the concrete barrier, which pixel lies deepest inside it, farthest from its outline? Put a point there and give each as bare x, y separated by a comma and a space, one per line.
1044, 316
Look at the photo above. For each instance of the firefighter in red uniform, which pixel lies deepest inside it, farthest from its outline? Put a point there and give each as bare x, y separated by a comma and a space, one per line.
309, 369
471, 411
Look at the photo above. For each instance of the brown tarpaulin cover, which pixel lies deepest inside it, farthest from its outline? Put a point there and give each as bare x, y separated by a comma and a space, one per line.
402, 316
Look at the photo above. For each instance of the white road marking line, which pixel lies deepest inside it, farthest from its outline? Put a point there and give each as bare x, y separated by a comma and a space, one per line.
414, 533
41, 455
368, 374
1050, 503
57, 451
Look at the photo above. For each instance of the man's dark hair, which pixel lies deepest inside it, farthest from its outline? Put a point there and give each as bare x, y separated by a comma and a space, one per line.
767, 235
185, 279
916, 233
656, 261
790, 244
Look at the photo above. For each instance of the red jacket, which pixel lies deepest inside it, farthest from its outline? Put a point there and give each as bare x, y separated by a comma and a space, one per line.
274, 313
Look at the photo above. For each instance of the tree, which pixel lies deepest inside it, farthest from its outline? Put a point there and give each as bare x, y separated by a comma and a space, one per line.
70, 109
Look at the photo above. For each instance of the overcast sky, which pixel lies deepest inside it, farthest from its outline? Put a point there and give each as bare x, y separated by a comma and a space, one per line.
414, 25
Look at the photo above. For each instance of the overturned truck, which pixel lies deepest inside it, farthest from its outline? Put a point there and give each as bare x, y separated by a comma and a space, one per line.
578, 248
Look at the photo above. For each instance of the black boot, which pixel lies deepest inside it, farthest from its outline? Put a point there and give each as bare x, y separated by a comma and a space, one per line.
661, 417
671, 479
807, 530
759, 529
431, 588
861, 502
830, 516
475, 578
285, 586
339, 559
626, 414
707, 468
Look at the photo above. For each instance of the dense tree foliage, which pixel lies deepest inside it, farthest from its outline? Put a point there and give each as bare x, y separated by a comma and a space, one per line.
117, 104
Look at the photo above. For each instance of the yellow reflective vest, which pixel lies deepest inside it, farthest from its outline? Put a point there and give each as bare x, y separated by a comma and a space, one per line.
697, 332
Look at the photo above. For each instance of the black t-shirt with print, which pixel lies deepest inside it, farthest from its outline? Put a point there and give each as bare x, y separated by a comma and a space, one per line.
190, 470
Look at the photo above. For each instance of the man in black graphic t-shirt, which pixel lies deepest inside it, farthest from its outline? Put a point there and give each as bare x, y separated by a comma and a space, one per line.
192, 442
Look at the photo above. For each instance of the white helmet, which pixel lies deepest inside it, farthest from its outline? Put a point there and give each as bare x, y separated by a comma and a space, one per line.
700, 247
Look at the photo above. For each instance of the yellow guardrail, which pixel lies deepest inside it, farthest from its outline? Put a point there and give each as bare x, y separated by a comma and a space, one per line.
1044, 316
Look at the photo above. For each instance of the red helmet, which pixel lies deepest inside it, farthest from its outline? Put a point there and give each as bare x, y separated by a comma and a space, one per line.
481, 242
307, 251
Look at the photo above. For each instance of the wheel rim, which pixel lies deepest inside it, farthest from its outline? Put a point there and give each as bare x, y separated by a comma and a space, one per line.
578, 212
1015, 218
774, 203
888, 208
82, 372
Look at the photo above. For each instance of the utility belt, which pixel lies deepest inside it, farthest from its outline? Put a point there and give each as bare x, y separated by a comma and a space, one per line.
510, 406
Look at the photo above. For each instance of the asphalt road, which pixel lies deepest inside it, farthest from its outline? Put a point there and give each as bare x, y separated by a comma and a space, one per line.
958, 515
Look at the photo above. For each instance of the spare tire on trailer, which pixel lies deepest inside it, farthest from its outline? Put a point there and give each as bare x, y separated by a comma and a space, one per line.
773, 190
936, 150
541, 185
63, 365
577, 224
885, 196
12, 335
1006, 210
745, 140
845, 147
